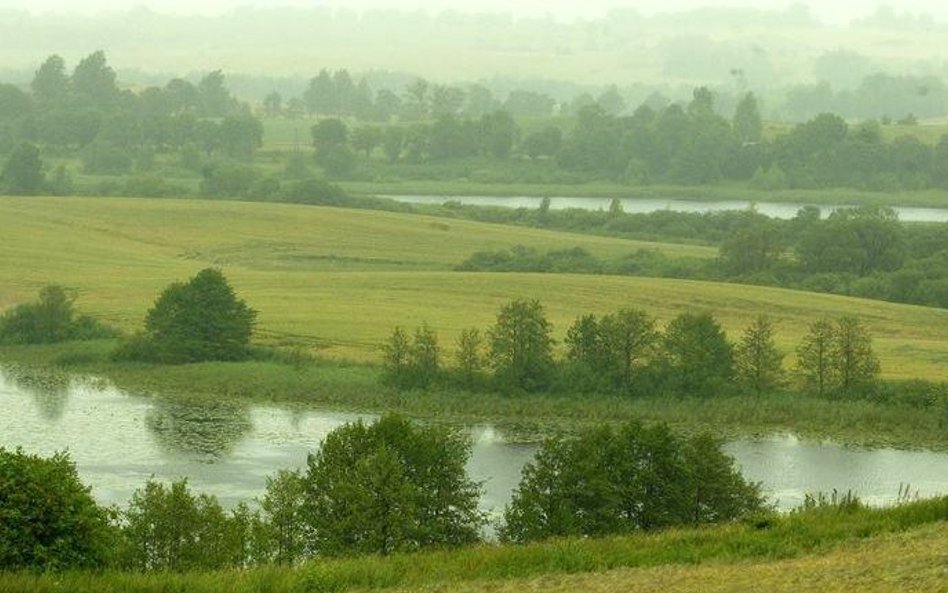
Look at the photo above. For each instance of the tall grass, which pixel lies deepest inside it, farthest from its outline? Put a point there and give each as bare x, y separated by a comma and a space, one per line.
812, 531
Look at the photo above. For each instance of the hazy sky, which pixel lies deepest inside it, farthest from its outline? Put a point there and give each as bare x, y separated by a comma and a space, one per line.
839, 11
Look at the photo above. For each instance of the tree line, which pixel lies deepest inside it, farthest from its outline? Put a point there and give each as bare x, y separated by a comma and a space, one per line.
379, 488
433, 132
625, 352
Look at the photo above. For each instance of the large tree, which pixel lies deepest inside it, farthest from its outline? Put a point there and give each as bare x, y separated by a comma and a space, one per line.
201, 319
390, 486
700, 357
521, 347
48, 518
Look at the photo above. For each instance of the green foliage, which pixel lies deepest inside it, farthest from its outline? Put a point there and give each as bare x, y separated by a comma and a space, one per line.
838, 358
470, 359
23, 172
198, 320
611, 481
167, 528
283, 518
757, 361
104, 158
412, 363
48, 518
390, 486
52, 318
521, 347
699, 356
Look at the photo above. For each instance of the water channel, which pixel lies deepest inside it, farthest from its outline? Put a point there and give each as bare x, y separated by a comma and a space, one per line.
118, 440
782, 210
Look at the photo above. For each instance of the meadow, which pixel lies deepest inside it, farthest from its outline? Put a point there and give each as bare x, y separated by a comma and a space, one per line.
335, 282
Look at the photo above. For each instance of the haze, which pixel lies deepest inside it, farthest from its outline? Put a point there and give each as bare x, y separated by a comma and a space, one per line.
838, 11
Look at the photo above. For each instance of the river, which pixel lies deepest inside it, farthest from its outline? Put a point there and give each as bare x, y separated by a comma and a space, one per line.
783, 210
118, 440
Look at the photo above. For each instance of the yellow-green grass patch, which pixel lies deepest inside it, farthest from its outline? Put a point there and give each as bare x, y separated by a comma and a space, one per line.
340, 280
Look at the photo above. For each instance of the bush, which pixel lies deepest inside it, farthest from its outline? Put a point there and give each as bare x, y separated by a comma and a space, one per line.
52, 318
614, 481
195, 321
48, 519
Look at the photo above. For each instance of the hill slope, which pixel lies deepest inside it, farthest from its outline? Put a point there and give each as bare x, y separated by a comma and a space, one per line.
341, 279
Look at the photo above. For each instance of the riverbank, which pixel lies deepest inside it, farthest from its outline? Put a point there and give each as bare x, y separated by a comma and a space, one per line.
823, 549
356, 388
715, 193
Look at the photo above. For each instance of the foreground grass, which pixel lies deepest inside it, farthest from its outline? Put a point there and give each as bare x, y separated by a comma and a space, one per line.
798, 552
350, 387
336, 281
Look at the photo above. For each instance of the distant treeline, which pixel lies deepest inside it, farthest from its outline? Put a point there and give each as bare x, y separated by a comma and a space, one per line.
184, 130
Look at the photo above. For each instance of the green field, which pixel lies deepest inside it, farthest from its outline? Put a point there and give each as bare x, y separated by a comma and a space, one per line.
823, 550
339, 280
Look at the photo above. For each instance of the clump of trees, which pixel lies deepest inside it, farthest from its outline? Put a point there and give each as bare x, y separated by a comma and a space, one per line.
51, 318
48, 518
372, 489
625, 352
198, 320
621, 480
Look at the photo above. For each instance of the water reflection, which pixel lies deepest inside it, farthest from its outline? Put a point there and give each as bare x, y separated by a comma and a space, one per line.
206, 431
227, 449
48, 388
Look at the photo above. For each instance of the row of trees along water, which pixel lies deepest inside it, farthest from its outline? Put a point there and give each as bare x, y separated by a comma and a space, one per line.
389, 486
625, 352
185, 130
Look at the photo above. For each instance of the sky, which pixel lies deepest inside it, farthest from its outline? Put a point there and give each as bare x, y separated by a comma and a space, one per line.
835, 11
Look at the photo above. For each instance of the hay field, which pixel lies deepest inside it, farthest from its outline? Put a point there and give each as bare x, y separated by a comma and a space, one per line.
338, 280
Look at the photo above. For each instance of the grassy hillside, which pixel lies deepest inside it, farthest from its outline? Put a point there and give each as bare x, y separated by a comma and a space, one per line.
339, 280
820, 550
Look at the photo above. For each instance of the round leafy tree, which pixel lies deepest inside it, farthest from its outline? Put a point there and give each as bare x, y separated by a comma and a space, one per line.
48, 519
199, 320
390, 486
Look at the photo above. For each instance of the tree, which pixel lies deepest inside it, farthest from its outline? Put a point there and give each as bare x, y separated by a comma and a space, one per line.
753, 247
390, 486
757, 362
167, 528
412, 364
52, 318
241, 135
23, 172
521, 347
50, 84
273, 104
470, 358
48, 518
585, 354
634, 478
701, 359
629, 339
748, 127
94, 80
814, 356
214, 100
366, 139
283, 517
198, 320
856, 365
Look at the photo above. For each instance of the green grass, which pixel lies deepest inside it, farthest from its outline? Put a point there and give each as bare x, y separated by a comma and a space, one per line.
336, 281
831, 534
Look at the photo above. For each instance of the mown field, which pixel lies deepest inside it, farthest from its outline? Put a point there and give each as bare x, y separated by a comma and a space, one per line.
338, 281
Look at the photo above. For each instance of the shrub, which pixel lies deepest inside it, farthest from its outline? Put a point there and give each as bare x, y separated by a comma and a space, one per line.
52, 318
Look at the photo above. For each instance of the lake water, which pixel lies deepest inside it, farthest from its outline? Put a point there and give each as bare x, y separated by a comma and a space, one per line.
643, 206
118, 440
